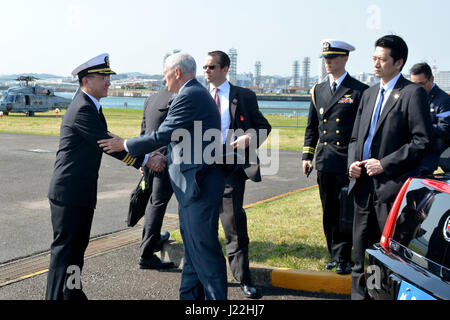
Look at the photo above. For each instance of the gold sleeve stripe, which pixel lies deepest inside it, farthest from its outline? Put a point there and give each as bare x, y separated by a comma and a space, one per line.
127, 158
310, 150
131, 163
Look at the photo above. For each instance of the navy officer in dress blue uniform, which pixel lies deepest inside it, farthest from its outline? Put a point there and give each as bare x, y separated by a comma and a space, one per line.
198, 184
73, 186
330, 122
439, 102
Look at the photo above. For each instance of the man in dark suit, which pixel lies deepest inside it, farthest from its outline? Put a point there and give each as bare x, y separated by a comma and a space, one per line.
155, 111
331, 116
391, 136
197, 182
73, 186
439, 102
241, 122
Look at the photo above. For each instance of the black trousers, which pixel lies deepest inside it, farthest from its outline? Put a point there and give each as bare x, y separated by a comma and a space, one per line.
71, 230
370, 218
339, 243
234, 223
161, 192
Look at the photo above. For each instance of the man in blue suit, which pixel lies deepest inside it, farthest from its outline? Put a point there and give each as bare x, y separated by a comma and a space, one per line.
439, 102
198, 184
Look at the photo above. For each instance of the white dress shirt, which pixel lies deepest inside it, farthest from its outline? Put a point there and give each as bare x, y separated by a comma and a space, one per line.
338, 81
94, 100
224, 97
388, 87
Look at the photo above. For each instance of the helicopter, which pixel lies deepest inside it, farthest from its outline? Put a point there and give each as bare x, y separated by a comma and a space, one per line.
29, 98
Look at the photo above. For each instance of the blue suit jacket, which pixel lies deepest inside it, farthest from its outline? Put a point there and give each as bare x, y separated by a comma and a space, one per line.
440, 103
191, 114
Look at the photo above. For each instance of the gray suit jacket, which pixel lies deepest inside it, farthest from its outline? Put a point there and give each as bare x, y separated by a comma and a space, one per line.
193, 104
402, 137
156, 108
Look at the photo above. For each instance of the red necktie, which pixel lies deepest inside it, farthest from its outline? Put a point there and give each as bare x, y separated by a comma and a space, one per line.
216, 98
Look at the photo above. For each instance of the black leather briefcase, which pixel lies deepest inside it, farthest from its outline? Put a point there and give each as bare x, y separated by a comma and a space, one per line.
138, 202
347, 211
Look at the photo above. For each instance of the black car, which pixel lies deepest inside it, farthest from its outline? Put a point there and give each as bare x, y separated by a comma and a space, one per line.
412, 260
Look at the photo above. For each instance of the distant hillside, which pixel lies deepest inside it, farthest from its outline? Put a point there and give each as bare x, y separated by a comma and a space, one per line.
43, 76
36, 75
136, 75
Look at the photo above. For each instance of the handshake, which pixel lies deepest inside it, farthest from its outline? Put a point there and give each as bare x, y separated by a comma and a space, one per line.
156, 162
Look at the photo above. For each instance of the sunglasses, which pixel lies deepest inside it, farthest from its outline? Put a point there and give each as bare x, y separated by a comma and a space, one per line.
211, 67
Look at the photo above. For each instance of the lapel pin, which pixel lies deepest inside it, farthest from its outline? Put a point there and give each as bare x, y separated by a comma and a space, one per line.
396, 96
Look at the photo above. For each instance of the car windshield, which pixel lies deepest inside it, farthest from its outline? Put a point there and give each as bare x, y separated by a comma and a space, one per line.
422, 223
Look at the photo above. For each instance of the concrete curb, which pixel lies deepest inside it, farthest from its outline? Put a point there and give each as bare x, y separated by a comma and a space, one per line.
265, 276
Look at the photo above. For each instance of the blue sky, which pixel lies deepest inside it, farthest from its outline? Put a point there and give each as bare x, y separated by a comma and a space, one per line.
54, 36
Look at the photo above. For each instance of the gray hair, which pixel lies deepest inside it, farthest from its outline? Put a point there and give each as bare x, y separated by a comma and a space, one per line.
183, 61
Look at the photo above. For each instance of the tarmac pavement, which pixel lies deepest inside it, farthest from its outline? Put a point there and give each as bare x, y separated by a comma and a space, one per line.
111, 270
26, 166
115, 276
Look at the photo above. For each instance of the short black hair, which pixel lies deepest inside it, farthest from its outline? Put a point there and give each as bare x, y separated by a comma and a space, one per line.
224, 59
399, 49
80, 80
421, 67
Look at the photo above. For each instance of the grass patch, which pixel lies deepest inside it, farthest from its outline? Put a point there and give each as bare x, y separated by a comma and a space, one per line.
286, 233
127, 124
46, 123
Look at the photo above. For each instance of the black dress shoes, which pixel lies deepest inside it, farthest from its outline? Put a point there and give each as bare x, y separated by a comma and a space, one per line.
164, 237
249, 291
343, 268
331, 265
154, 263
